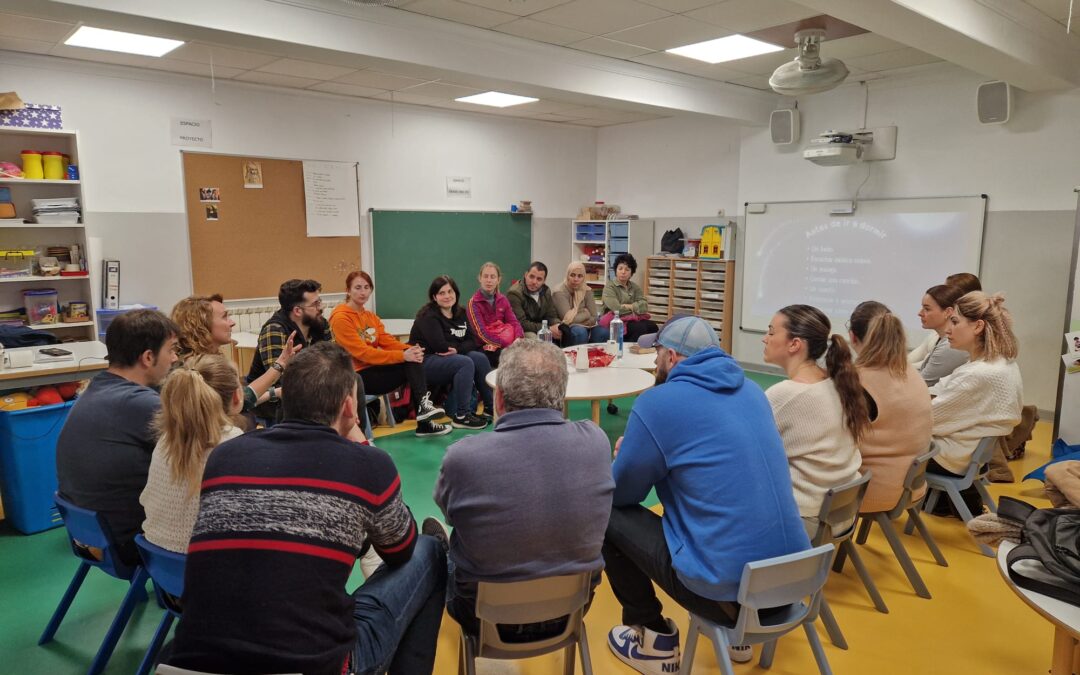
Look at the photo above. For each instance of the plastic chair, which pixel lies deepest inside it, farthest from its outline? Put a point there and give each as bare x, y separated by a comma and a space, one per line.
88, 530
975, 474
166, 569
836, 525
916, 477
520, 602
794, 581
385, 403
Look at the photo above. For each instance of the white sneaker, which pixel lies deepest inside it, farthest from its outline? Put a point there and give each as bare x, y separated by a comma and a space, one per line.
646, 651
425, 410
740, 653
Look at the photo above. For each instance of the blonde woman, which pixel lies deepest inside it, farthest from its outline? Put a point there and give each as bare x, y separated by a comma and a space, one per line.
576, 306
200, 404
490, 315
899, 407
205, 327
984, 396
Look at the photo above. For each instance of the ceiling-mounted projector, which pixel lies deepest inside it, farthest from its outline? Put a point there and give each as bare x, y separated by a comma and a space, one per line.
833, 154
837, 148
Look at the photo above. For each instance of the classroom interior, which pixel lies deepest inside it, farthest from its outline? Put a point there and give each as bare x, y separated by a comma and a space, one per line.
674, 141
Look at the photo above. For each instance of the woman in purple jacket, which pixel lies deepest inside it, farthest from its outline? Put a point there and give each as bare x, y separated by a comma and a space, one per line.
490, 315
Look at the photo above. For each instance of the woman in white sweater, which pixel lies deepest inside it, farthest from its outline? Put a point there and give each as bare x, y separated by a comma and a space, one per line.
200, 404
984, 396
821, 412
934, 358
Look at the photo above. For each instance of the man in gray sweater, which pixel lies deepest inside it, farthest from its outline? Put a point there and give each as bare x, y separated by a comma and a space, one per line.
532, 498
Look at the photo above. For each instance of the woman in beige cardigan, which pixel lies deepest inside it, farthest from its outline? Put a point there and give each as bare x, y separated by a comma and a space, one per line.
898, 400
576, 307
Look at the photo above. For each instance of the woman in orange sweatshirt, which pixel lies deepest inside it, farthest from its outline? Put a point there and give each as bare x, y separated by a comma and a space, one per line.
383, 362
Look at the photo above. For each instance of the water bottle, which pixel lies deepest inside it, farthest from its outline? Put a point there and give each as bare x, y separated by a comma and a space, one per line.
581, 360
616, 328
544, 334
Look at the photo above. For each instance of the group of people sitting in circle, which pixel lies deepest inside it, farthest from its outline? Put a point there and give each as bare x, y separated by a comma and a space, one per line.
272, 520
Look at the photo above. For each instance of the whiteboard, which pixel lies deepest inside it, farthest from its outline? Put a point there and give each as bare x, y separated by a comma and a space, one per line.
889, 250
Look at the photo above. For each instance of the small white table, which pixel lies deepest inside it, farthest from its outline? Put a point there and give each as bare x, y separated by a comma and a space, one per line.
628, 360
88, 359
1064, 617
600, 384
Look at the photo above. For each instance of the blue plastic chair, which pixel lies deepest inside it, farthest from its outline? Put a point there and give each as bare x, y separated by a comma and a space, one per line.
166, 569
794, 581
87, 529
974, 475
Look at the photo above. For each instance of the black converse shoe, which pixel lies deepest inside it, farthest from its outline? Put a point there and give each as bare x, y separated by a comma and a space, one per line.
468, 421
432, 429
426, 409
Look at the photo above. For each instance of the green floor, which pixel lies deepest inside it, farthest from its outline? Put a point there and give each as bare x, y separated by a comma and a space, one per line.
35, 570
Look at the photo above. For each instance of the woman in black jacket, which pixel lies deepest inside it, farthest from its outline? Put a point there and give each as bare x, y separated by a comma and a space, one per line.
451, 355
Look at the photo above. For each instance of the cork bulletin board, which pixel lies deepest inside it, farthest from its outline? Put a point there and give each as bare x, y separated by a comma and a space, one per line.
246, 240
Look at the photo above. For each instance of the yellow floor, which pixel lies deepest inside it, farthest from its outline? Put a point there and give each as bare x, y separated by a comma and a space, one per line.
973, 624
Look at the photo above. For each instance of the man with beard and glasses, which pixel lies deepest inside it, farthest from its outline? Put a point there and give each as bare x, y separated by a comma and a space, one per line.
301, 312
707, 441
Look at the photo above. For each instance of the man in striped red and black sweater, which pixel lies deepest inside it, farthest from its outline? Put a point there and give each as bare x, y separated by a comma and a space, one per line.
284, 514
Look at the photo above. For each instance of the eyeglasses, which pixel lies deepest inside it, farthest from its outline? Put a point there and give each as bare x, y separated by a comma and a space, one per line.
318, 304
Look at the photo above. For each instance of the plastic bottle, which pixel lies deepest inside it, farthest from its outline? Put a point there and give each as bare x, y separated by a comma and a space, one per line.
544, 334
581, 361
31, 165
616, 329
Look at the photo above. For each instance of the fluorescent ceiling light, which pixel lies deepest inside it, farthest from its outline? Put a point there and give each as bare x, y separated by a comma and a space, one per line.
496, 99
727, 48
119, 41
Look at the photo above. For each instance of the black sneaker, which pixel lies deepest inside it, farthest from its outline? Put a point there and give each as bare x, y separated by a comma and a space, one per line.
425, 410
433, 527
432, 429
468, 421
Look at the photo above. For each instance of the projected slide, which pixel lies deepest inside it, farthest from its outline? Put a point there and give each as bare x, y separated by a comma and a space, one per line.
797, 254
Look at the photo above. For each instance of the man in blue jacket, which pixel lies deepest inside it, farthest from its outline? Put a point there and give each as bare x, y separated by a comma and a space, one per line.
707, 441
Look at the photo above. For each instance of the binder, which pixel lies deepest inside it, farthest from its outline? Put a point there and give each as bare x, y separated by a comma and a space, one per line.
110, 284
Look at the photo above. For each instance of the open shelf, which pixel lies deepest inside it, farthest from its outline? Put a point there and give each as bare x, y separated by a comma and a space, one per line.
54, 326
36, 181
36, 277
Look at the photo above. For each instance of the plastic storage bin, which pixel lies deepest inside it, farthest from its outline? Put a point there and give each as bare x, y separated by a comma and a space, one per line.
42, 306
28, 465
105, 317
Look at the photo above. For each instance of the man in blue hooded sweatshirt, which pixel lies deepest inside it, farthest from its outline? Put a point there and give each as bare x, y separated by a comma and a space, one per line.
707, 441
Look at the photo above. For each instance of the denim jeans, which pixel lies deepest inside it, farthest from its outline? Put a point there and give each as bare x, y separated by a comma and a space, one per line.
398, 612
462, 372
635, 555
579, 335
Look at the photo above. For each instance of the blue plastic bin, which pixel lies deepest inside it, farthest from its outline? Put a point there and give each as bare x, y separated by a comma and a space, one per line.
105, 317
28, 465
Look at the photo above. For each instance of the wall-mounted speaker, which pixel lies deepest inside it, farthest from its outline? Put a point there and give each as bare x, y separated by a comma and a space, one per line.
994, 102
784, 126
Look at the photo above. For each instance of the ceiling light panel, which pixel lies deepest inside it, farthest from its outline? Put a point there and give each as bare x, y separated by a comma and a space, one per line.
496, 99
119, 41
730, 48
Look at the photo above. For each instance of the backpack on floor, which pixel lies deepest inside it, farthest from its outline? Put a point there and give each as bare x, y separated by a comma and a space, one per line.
1047, 560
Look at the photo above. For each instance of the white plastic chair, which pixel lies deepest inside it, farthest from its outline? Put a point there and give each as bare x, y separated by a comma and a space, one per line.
791, 581
916, 477
519, 602
975, 474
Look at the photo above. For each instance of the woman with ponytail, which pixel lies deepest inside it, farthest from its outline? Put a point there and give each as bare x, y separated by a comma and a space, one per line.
200, 404
984, 396
934, 359
899, 407
821, 413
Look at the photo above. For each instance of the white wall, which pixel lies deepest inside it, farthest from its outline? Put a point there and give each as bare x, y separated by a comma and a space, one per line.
405, 152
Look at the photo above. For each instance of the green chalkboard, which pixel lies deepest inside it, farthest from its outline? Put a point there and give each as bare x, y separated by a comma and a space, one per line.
410, 248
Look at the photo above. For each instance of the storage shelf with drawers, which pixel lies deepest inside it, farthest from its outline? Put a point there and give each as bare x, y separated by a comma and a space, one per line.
692, 286
602, 241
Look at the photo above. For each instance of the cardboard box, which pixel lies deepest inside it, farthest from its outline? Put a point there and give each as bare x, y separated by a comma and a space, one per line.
33, 116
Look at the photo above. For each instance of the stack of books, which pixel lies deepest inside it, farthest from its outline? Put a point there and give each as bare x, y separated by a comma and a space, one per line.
56, 211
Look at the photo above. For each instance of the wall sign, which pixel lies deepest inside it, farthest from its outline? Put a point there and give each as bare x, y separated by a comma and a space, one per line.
459, 186
188, 132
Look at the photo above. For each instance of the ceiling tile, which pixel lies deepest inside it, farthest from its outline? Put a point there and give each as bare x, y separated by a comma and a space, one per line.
406, 97
612, 48
542, 108
29, 28
669, 32
593, 123
220, 56
601, 16
347, 89
308, 69
754, 81
679, 6
744, 16
377, 80
518, 7
191, 68
460, 12
681, 64
858, 45
555, 117
440, 90
900, 58
276, 80
542, 32
763, 64
1058, 10
19, 45
101, 56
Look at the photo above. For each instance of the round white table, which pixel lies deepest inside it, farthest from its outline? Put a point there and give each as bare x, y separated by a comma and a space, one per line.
598, 384
1064, 617
628, 360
